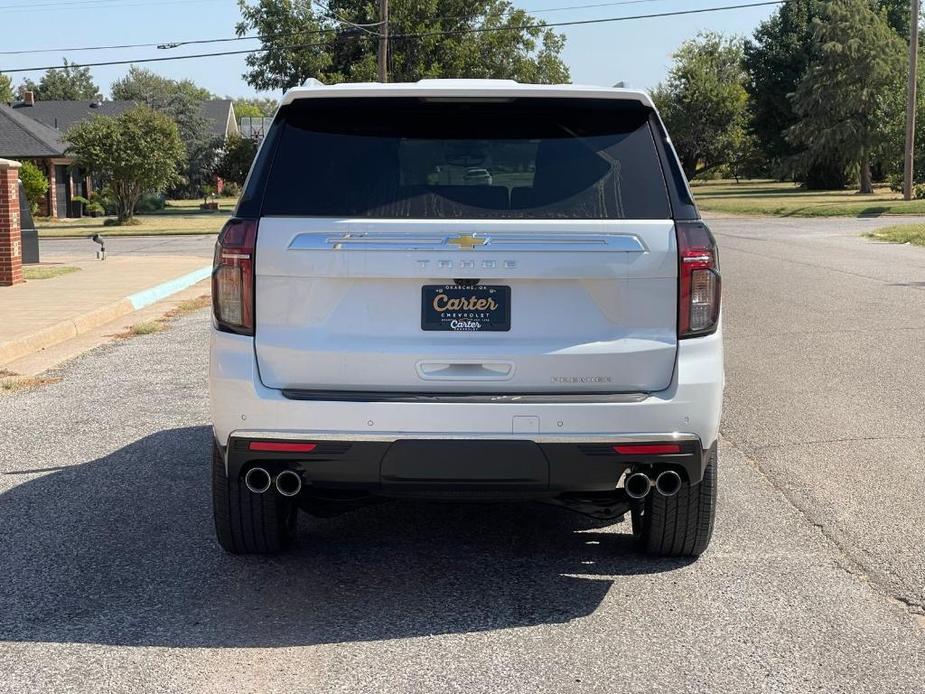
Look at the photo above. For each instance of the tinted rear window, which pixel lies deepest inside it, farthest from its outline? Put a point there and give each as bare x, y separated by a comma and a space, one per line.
428, 159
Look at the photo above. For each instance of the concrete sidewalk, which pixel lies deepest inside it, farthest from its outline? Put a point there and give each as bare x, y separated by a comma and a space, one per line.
42, 313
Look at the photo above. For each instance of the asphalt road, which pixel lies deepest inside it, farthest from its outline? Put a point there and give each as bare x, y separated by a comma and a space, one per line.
110, 579
199, 244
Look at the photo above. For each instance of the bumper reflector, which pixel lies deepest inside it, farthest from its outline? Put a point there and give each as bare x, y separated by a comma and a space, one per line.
282, 447
648, 449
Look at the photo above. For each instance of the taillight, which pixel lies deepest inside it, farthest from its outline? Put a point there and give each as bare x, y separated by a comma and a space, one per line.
699, 284
233, 277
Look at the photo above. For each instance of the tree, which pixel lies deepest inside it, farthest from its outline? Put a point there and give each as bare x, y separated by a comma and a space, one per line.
843, 100
182, 101
135, 152
704, 102
776, 59
236, 159
897, 15
67, 83
6, 88
148, 87
34, 182
253, 108
301, 41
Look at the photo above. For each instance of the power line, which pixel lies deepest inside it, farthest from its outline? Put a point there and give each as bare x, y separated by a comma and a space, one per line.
580, 22
449, 32
226, 39
173, 44
90, 5
337, 18
543, 10
166, 58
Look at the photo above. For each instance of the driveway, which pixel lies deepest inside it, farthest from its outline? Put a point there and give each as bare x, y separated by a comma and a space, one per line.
112, 581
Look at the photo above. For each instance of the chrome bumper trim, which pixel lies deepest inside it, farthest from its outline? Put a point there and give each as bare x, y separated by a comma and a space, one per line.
389, 437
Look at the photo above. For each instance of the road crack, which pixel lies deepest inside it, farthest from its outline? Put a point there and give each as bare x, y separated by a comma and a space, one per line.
849, 560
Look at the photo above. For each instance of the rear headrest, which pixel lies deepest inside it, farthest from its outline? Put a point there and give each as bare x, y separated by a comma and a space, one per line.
485, 197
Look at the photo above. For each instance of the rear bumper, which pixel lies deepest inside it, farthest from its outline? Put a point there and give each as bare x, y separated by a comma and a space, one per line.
476, 467
688, 410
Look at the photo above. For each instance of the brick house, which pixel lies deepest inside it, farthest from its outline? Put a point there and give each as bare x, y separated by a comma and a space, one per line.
33, 130
25, 139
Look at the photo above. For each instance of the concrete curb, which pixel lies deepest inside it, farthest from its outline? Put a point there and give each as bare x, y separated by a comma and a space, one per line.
72, 327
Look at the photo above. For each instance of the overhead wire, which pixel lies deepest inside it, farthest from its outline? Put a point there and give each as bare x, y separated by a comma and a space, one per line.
396, 36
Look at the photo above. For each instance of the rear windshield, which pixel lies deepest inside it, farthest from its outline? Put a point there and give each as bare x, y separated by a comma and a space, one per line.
432, 159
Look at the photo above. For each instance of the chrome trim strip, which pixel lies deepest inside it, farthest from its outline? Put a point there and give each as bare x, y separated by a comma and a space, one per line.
460, 398
389, 437
500, 241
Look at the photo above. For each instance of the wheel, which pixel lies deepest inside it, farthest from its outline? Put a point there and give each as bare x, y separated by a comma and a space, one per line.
679, 525
248, 523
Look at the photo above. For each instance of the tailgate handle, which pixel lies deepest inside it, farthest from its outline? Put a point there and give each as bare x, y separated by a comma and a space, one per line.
465, 370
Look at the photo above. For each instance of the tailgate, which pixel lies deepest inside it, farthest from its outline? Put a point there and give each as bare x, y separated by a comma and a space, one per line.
592, 305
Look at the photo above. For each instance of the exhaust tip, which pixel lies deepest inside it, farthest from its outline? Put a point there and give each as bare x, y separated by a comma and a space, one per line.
668, 483
637, 485
257, 480
288, 483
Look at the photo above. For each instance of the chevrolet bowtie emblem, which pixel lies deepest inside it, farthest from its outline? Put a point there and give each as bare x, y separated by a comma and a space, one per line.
467, 241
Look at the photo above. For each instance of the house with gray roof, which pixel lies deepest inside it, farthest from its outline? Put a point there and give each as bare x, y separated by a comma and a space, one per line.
61, 115
33, 130
25, 139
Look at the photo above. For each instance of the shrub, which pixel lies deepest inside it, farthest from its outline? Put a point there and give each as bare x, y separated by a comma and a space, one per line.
231, 190
918, 191
35, 184
91, 207
150, 202
895, 181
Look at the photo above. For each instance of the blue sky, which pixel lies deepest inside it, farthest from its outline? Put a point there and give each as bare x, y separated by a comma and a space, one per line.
638, 51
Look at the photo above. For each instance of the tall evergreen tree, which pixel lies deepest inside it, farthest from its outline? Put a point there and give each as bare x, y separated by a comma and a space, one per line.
776, 59
843, 100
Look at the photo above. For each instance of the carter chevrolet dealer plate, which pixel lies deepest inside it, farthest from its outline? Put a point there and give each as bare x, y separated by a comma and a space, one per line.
484, 308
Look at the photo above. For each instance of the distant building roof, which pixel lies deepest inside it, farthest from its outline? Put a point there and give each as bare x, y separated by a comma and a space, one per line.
220, 114
21, 136
62, 115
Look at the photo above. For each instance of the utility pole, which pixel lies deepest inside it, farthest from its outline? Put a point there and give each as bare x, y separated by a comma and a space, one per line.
384, 40
911, 98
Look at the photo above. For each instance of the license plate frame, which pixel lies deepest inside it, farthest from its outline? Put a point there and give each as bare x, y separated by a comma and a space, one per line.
457, 308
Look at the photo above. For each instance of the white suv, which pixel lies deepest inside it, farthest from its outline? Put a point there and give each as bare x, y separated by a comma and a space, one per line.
383, 327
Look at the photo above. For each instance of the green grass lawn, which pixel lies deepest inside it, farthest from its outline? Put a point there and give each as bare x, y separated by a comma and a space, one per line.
908, 233
179, 217
46, 272
188, 206
789, 200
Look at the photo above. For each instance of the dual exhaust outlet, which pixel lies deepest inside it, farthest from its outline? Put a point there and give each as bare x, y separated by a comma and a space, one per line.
639, 484
258, 480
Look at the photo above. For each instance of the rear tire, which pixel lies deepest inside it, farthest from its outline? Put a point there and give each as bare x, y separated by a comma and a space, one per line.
248, 523
679, 525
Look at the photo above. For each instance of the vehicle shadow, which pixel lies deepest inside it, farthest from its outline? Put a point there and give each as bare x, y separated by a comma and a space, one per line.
120, 551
